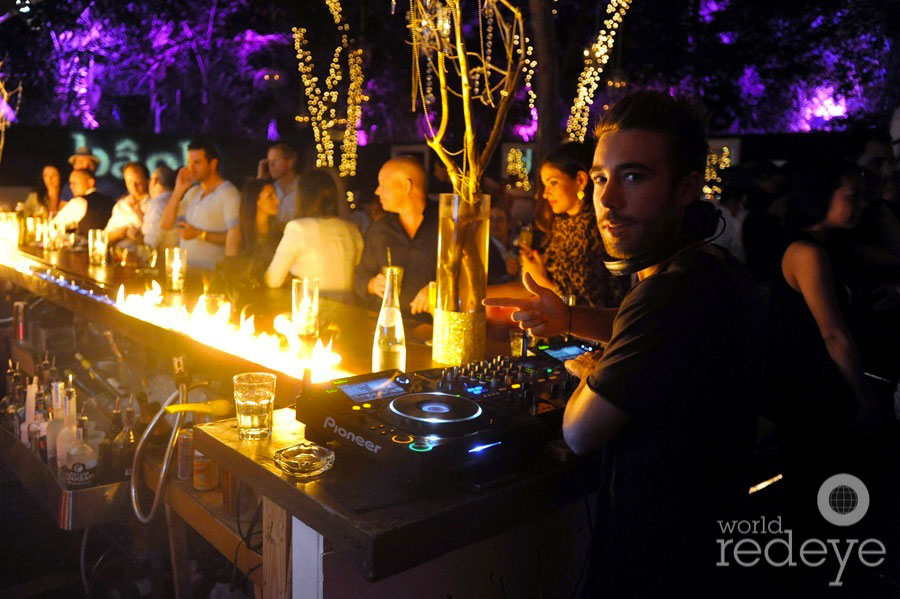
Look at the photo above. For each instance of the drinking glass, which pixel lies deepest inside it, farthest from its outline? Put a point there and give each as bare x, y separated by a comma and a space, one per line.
176, 268
305, 306
98, 246
254, 398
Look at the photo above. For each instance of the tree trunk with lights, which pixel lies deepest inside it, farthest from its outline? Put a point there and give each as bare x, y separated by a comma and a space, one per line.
437, 33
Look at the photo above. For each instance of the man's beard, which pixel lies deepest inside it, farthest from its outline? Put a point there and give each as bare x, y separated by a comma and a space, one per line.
645, 236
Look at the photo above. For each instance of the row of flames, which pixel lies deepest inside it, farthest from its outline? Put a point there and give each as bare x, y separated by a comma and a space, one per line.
210, 323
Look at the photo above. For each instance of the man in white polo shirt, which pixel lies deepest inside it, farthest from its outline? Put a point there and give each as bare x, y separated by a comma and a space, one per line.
211, 208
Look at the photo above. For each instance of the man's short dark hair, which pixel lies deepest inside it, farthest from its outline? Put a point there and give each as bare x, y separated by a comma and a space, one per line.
676, 119
139, 166
289, 153
208, 147
166, 176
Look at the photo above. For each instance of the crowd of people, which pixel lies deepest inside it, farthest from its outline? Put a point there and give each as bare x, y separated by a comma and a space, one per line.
781, 297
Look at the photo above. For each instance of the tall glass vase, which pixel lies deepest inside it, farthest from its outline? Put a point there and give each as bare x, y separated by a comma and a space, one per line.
459, 319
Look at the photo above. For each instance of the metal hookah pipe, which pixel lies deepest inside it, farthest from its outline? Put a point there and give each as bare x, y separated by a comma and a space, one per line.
184, 387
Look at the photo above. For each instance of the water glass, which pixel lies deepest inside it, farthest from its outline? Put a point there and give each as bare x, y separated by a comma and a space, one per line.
305, 306
254, 398
176, 268
98, 246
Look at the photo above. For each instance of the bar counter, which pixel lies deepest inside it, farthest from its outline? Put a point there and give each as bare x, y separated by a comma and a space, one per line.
375, 518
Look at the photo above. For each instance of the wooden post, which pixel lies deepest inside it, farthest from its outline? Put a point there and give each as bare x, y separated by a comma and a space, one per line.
178, 553
276, 551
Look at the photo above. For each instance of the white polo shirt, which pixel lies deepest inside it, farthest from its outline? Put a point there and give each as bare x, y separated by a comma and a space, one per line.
215, 212
287, 200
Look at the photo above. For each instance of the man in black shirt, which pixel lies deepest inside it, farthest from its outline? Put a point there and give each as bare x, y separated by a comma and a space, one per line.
410, 231
669, 400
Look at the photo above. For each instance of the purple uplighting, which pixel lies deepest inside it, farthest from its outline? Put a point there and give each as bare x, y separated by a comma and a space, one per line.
526, 132
708, 9
817, 107
272, 131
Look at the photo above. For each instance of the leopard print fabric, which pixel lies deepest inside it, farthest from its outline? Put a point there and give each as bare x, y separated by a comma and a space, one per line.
572, 254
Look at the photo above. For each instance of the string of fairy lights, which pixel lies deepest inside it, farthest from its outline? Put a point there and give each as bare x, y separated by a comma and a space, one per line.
322, 99
715, 163
517, 170
595, 59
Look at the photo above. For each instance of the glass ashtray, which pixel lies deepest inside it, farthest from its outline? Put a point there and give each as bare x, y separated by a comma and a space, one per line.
304, 460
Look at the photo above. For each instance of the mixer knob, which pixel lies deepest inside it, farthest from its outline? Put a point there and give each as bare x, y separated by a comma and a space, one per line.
495, 383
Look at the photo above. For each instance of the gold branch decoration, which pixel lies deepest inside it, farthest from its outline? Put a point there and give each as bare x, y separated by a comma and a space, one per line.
488, 75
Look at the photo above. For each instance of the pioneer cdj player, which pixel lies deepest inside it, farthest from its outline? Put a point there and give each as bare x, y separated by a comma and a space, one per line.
445, 418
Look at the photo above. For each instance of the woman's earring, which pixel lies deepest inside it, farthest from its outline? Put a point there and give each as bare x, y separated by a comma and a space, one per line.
580, 194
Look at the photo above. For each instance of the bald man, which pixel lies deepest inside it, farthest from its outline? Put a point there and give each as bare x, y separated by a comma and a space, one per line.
410, 230
89, 208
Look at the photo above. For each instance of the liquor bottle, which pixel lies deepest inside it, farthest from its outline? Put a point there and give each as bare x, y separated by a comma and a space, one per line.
57, 421
10, 384
44, 379
123, 446
8, 403
11, 416
54, 373
65, 440
389, 344
81, 464
28, 416
37, 430
105, 468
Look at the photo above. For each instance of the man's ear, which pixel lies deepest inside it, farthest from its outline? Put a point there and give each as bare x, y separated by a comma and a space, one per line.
689, 188
214, 165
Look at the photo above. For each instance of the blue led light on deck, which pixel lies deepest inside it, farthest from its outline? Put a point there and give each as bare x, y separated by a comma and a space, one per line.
475, 390
479, 448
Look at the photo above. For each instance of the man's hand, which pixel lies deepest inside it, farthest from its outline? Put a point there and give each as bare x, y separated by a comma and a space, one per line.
184, 180
187, 231
376, 285
262, 170
420, 302
583, 365
133, 233
543, 314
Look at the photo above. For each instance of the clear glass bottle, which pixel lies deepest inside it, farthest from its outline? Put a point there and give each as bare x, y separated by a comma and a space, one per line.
57, 421
81, 464
123, 446
66, 438
389, 344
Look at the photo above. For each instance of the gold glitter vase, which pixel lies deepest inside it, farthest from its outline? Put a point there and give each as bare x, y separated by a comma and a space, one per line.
459, 319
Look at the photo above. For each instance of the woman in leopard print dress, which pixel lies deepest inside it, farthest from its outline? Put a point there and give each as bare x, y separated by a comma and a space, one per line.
569, 260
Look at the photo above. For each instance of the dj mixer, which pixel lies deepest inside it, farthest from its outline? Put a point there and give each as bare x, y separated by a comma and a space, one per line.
445, 418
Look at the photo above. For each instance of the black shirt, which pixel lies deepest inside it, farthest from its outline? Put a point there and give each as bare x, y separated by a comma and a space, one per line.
417, 256
681, 363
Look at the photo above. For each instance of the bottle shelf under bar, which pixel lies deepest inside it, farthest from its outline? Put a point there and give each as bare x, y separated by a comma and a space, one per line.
71, 510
